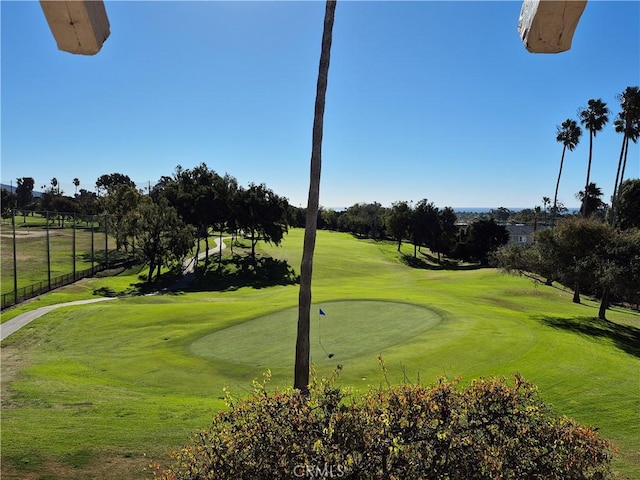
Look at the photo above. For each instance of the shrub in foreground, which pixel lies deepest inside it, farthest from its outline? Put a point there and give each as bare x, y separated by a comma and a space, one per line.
488, 430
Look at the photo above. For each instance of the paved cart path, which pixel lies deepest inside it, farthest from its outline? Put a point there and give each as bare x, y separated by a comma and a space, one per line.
11, 326
15, 324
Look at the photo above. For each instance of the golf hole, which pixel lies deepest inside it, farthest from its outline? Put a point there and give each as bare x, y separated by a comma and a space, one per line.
348, 329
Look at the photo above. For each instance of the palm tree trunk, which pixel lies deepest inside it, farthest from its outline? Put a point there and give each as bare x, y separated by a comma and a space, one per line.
301, 371
555, 197
614, 198
624, 163
586, 187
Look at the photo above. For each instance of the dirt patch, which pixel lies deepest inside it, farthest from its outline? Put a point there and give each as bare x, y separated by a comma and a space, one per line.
12, 362
105, 466
35, 234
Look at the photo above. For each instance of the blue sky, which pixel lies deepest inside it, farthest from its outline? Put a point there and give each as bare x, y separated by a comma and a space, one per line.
436, 100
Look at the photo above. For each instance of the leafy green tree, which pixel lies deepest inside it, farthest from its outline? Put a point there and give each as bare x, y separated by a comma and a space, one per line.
120, 203
191, 193
501, 214
485, 236
107, 182
573, 247
594, 117
398, 219
262, 214
225, 190
24, 191
8, 202
569, 134
363, 220
618, 268
327, 219
87, 203
424, 226
448, 230
431, 223
628, 213
162, 237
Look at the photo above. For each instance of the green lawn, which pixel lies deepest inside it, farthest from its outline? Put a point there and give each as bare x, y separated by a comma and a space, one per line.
31, 250
100, 391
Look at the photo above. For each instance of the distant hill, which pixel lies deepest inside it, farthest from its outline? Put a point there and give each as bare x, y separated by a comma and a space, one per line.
12, 189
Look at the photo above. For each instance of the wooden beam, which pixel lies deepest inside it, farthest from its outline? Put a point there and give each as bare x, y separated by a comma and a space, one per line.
79, 26
547, 26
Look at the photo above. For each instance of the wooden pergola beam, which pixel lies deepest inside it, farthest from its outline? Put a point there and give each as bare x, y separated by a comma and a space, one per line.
547, 26
79, 26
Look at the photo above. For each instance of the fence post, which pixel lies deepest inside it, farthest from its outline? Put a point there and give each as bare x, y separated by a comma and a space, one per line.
92, 248
74, 245
15, 257
48, 254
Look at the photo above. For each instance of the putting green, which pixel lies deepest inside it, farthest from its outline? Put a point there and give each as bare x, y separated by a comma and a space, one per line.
348, 329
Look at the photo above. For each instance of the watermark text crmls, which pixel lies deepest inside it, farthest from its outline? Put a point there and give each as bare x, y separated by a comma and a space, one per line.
319, 471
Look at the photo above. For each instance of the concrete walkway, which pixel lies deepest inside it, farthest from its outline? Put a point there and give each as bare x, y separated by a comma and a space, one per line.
15, 324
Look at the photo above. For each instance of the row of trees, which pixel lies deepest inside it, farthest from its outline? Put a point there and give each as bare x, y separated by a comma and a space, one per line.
600, 253
180, 210
593, 118
422, 224
587, 255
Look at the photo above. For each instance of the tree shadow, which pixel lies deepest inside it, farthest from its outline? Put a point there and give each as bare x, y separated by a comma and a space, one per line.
625, 337
244, 271
430, 262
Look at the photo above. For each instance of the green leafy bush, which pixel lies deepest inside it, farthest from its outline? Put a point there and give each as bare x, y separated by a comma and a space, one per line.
488, 430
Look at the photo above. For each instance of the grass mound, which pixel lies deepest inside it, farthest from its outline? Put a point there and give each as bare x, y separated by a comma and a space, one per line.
349, 329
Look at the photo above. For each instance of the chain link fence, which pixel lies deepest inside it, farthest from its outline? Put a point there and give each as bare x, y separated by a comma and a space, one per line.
41, 251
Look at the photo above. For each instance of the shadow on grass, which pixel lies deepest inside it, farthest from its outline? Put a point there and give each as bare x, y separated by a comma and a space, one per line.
625, 337
241, 271
429, 262
162, 285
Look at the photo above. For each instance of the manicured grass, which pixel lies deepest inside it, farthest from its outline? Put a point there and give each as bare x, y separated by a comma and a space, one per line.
102, 390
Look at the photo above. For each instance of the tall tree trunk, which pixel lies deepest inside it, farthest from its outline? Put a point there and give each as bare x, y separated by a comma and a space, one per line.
253, 244
614, 197
624, 165
206, 246
586, 187
195, 258
576, 293
220, 251
301, 371
555, 197
604, 304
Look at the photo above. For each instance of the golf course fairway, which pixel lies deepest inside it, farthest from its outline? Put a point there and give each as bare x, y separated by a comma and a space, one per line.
103, 390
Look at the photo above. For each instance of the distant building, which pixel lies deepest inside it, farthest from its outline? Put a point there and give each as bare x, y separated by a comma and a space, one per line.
521, 234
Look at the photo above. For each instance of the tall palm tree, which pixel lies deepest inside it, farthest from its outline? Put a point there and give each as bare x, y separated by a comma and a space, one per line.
76, 183
594, 117
627, 123
569, 134
301, 371
54, 186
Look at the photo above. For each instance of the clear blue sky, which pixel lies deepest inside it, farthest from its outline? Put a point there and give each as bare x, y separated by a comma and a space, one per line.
436, 100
